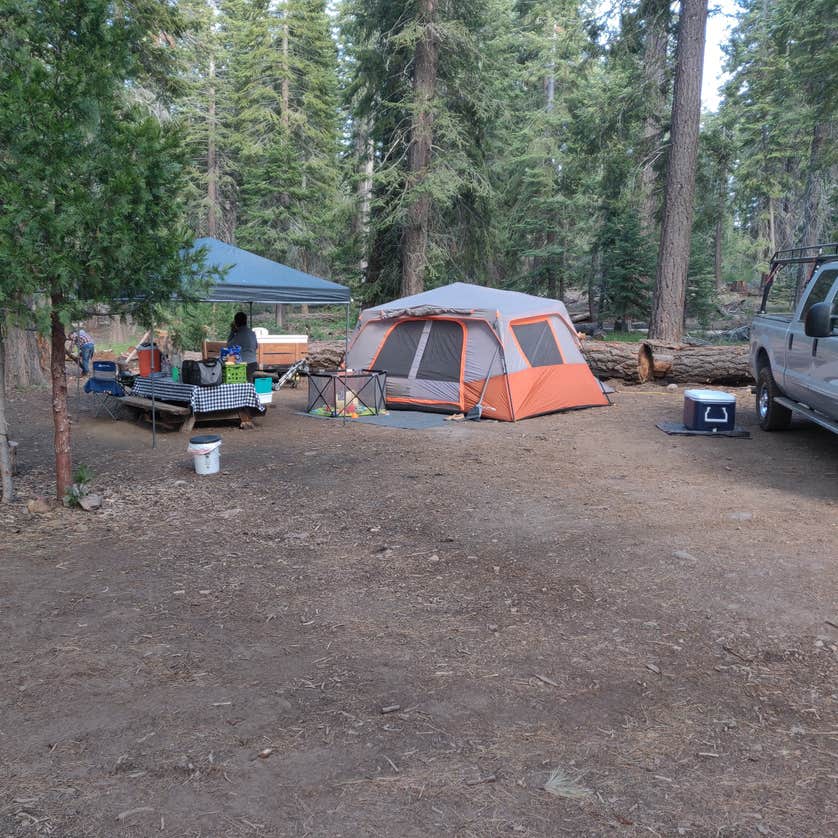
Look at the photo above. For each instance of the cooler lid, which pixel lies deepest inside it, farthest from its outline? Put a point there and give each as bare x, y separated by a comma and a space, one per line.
714, 396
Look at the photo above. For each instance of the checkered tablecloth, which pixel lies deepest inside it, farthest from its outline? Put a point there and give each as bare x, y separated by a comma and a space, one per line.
202, 399
225, 397
164, 389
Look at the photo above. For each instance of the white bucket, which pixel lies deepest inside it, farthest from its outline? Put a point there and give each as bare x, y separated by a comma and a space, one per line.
206, 452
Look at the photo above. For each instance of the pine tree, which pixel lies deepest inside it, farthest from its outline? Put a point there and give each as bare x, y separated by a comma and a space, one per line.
91, 181
673, 259
779, 100
539, 175
422, 85
211, 195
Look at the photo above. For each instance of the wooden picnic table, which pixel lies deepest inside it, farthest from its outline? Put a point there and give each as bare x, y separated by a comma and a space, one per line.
176, 403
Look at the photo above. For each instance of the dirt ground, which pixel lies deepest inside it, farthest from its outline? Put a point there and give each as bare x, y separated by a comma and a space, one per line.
364, 631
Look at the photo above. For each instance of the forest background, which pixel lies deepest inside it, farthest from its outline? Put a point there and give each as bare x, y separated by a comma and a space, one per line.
522, 144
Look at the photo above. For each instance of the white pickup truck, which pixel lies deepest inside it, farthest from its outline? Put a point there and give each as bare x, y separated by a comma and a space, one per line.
795, 356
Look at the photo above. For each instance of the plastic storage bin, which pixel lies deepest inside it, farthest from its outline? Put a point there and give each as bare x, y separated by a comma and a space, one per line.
709, 410
234, 374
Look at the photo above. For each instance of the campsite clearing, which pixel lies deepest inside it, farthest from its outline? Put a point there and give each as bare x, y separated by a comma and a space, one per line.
573, 625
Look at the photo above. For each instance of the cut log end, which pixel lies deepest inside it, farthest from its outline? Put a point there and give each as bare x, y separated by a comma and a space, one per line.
645, 364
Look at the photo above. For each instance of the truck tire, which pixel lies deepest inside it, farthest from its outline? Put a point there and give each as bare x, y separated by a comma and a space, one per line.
772, 416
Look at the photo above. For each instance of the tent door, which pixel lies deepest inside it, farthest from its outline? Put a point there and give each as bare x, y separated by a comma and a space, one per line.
420, 349
424, 361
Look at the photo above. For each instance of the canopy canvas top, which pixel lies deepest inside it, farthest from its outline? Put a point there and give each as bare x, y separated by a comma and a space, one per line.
254, 279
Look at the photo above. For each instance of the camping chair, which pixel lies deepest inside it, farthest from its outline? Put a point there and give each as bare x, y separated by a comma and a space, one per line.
105, 389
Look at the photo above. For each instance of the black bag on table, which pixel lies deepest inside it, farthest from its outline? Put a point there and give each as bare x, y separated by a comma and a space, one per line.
202, 373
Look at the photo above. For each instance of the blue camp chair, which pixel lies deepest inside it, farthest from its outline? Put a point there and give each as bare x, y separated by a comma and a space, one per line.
105, 389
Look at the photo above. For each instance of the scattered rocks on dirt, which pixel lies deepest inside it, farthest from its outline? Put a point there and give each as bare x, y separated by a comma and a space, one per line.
40, 506
90, 502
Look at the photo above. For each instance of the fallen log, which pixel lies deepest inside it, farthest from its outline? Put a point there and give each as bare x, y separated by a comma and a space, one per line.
631, 362
612, 359
728, 365
325, 355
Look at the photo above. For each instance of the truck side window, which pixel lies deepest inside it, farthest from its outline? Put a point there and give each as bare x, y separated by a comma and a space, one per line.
819, 290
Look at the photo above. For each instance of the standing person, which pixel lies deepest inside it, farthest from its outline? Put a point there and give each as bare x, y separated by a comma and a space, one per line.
242, 335
85, 345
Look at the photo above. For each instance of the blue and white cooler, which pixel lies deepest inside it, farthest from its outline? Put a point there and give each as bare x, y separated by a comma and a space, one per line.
709, 410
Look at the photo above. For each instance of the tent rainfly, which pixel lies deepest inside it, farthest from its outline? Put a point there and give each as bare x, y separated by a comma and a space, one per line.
254, 279
462, 345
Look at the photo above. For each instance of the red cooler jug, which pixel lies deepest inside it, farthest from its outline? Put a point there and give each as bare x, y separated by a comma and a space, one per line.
149, 359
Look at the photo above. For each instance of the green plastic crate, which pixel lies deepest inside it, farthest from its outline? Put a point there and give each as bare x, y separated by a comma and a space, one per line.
234, 374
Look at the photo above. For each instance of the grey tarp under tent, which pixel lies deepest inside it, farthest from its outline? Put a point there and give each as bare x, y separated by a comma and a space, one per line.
245, 277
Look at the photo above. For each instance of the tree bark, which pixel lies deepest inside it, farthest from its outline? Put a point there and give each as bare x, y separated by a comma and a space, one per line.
550, 80
655, 361
415, 238
7, 488
213, 210
285, 91
673, 259
25, 366
60, 413
718, 235
364, 149
813, 219
612, 359
728, 365
656, 17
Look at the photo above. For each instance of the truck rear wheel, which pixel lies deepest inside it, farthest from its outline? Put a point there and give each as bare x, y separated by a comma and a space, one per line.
772, 416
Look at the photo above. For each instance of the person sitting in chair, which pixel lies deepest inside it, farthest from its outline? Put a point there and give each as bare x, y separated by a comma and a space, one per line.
85, 346
242, 335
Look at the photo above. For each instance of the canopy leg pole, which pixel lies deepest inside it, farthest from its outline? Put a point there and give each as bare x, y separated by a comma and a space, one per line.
153, 406
345, 359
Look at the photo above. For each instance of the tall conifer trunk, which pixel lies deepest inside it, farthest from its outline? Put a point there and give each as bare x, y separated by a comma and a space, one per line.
667, 321
7, 489
813, 217
718, 235
213, 210
656, 17
415, 239
60, 413
286, 72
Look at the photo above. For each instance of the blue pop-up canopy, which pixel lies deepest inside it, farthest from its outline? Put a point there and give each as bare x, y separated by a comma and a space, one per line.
254, 279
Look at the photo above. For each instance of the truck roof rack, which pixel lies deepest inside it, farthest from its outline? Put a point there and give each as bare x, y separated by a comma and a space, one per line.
810, 255
805, 255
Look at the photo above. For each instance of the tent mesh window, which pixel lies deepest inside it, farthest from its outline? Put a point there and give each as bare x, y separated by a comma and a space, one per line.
443, 355
396, 356
538, 343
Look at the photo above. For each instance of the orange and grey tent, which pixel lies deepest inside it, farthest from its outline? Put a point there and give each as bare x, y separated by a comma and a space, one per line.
460, 346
